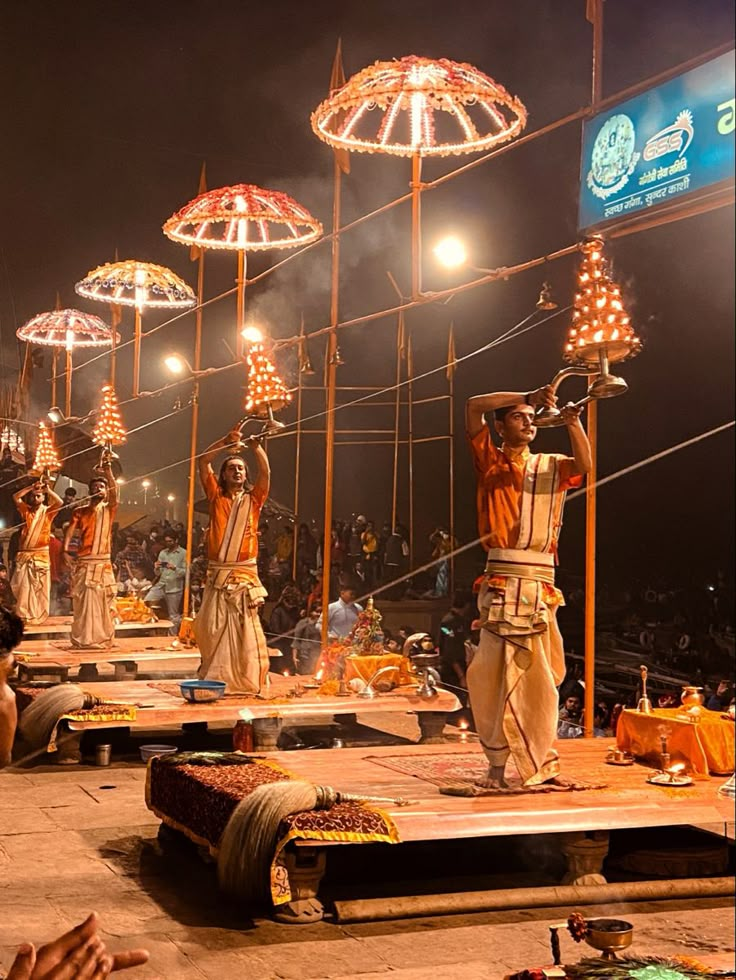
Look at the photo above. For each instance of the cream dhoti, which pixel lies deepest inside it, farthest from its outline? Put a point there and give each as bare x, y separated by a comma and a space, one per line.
93, 595
228, 629
31, 584
514, 674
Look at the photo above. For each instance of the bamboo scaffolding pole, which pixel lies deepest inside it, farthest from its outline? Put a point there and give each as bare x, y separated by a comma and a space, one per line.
590, 489
451, 459
416, 225
191, 497
434, 398
410, 409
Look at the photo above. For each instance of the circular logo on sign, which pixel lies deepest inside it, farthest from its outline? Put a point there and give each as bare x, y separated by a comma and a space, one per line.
614, 157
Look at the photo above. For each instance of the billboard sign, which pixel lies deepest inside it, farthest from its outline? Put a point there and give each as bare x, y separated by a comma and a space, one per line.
660, 146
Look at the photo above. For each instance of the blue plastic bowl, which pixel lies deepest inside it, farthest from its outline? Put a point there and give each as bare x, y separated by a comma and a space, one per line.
200, 692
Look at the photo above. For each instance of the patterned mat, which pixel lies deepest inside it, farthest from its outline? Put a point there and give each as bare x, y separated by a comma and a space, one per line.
174, 689
457, 774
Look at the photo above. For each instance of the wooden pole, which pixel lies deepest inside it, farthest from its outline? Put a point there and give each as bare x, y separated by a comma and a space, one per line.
451, 464
410, 406
331, 384
590, 491
397, 419
115, 319
186, 598
240, 309
137, 353
416, 226
54, 369
68, 385
297, 455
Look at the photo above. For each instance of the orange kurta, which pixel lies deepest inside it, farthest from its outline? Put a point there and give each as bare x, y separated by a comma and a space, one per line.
500, 475
42, 530
85, 520
221, 506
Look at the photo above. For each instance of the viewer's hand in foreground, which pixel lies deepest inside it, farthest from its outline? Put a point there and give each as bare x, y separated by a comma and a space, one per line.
542, 397
571, 413
79, 954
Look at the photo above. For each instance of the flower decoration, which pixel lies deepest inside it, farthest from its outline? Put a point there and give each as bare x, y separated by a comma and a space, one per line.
46, 458
425, 106
243, 217
265, 387
66, 328
109, 430
599, 320
138, 284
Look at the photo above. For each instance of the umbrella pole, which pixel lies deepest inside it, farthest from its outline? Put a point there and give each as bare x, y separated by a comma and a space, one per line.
186, 598
240, 312
68, 379
416, 228
113, 347
451, 469
137, 354
331, 394
297, 466
54, 367
397, 419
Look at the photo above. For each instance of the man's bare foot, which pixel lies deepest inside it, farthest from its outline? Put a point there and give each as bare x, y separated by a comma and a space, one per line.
562, 782
494, 779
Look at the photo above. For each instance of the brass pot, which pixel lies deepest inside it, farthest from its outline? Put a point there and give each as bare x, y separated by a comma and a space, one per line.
609, 935
691, 696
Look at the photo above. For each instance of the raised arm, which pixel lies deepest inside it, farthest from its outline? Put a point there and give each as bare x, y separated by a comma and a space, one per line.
204, 463
68, 536
578, 439
55, 501
112, 487
262, 481
18, 497
477, 406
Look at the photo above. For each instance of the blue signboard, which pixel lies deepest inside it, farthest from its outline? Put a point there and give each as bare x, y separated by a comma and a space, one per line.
659, 146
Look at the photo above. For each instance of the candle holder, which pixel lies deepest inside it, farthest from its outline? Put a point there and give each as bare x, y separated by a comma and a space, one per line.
672, 776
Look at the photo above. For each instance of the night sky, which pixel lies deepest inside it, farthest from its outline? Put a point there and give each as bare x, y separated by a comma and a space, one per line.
110, 109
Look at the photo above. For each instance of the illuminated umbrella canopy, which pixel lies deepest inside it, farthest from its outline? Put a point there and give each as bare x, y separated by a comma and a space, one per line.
66, 328
243, 217
419, 106
139, 284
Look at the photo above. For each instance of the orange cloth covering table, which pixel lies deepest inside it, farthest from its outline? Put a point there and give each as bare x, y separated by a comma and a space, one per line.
131, 609
364, 667
704, 746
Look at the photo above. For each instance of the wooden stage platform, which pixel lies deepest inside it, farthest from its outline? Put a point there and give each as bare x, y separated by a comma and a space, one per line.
580, 821
162, 709
57, 660
61, 626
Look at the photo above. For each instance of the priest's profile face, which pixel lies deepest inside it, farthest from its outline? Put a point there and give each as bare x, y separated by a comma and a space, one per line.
98, 489
234, 473
517, 427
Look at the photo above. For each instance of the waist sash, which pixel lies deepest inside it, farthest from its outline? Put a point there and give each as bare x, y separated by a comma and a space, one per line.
537, 566
235, 577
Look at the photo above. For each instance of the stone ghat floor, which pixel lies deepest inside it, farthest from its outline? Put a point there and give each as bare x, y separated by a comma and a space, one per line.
69, 845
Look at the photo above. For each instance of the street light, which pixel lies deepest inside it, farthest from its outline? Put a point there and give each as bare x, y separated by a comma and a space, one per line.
452, 254
252, 334
178, 364
171, 498
145, 484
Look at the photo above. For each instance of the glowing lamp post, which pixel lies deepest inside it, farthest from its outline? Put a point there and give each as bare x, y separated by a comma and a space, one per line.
242, 218
66, 329
419, 107
141, 285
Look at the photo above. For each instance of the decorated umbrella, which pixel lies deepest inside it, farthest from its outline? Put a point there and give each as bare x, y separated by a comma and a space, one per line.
418, 107
66, 329
242, 218
141, 285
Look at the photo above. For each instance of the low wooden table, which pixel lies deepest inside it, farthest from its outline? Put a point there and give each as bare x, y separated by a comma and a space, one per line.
59, 626
160, 709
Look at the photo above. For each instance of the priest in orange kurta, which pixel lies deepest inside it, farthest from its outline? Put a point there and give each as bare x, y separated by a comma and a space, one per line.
31, 582
93, 580
228, 628
514, 674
